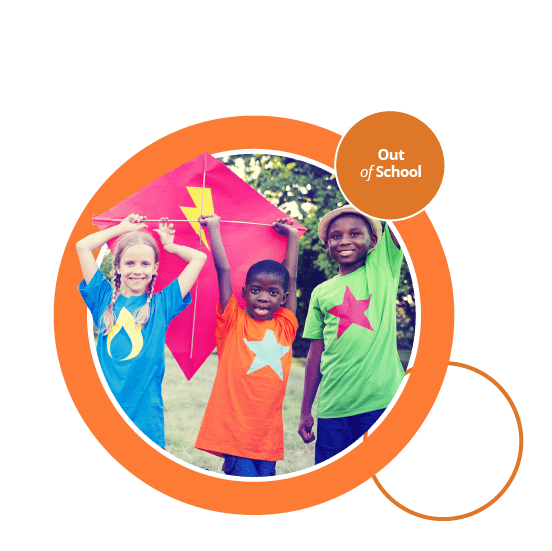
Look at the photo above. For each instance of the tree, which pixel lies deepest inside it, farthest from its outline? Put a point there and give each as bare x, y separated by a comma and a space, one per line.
107, 265
307, 193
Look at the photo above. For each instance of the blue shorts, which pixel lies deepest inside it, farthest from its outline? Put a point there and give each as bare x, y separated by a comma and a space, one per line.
335, 435
241, 466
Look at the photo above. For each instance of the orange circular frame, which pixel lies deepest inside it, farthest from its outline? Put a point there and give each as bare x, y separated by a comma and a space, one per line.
230, 495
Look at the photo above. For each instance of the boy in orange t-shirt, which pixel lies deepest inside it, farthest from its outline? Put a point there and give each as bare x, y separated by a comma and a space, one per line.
243, 419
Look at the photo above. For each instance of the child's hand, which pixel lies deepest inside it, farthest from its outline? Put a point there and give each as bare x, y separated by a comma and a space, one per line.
305, 429
166, 233
284, 226
209, 220
133, 222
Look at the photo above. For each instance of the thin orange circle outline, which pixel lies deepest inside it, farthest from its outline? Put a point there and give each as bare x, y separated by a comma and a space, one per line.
508, 483
229, 495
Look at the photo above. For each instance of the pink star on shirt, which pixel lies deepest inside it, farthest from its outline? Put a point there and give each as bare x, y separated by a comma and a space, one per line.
351, 311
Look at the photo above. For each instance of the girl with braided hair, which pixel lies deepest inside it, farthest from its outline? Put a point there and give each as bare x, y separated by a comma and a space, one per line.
132, 320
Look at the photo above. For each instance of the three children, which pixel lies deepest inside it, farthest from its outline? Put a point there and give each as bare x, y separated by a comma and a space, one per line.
351, 321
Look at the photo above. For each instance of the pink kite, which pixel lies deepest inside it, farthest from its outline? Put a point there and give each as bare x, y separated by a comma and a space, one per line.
202, 186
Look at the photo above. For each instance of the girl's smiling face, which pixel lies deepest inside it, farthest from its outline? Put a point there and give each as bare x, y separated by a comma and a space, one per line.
136, 268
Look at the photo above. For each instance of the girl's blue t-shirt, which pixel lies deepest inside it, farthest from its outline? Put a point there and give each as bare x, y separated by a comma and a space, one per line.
133, 358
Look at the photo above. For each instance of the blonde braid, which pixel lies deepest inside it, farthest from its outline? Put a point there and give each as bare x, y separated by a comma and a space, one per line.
108, 319
151, 285
141, 315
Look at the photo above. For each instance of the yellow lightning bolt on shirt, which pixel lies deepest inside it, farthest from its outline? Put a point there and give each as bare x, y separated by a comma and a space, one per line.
193, 213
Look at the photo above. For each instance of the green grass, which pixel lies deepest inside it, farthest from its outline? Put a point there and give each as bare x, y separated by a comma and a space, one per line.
185, 403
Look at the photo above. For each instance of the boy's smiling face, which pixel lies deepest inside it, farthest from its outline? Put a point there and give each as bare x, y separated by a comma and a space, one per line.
264, 294
349, 239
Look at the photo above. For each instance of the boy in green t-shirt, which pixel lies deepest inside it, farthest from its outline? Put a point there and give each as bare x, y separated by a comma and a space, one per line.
352, 326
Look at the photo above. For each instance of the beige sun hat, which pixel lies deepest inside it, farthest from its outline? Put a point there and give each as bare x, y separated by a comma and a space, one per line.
327, 219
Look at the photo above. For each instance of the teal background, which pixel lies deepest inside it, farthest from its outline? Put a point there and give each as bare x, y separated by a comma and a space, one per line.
87, 86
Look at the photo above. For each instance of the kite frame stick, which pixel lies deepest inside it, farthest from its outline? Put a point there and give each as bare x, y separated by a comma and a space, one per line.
197, 280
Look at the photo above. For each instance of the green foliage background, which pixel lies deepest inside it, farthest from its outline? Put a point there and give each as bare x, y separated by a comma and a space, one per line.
293, 186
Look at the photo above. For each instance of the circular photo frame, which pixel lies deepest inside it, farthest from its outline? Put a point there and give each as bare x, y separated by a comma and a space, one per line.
254, 497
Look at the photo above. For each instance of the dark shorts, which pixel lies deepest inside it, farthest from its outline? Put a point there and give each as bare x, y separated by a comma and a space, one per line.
335, 435
241, 466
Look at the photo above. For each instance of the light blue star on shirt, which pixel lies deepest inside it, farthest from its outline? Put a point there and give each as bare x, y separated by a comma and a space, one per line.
268, 352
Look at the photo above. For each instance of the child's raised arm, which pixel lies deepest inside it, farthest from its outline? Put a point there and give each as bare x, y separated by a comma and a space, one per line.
195, 259
212, 223
87, 246
394, 239
284, 226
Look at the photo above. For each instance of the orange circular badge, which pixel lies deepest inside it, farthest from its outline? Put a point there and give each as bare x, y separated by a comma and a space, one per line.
389, 165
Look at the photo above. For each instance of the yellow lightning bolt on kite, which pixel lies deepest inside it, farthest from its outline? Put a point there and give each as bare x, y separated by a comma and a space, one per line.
193, 213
